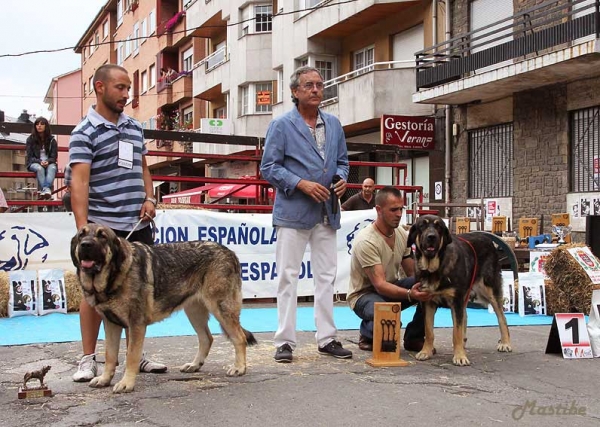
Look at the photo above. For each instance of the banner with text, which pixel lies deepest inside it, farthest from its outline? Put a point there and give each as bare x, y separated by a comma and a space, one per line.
32, 241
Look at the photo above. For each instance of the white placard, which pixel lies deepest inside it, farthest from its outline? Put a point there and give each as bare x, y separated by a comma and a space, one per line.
593, 326
532, 298
587, 261
438, 190
574, 339
52, 296
22, 293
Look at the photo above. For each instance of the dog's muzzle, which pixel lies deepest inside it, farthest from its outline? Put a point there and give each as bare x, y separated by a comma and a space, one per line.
90, 258
430, 244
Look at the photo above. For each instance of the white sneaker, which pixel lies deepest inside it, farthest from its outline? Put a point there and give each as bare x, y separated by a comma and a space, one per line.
88, 369
151, 367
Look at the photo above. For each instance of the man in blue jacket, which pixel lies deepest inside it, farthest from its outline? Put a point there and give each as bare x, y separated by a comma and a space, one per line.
306, 160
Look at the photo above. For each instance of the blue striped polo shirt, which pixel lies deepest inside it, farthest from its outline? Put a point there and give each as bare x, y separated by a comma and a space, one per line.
116, 193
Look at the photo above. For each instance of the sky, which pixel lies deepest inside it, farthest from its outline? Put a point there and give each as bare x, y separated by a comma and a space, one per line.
39, 25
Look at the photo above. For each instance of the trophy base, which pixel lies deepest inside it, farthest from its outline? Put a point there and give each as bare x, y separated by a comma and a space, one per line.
33, 393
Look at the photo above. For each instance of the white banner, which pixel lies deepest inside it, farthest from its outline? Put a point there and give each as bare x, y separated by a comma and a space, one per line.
34, 241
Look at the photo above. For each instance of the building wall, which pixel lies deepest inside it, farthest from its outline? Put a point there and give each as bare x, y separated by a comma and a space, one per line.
67, 92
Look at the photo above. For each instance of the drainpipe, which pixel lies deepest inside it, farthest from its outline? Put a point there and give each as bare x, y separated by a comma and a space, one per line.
435, 21
448, 167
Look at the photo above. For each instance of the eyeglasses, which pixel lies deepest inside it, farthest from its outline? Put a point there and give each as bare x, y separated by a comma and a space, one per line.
310, 85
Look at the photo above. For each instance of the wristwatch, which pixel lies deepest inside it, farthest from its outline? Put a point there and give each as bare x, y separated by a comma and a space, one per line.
151, 200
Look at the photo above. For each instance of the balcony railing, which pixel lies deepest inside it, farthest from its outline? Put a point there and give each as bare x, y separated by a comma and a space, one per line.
330, 90
213, 60
536, 29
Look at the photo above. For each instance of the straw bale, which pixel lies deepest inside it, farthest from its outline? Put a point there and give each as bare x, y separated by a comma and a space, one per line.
74, 293
570, 289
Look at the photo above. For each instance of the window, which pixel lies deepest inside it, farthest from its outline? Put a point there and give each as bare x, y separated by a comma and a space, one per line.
136, 38
263, 15
264, 96
280, 85
327, 71
120, 53
127, 46
187, 59
151, 22
96, 40
83, 52
262, 22
244, 100
91, 84
119, 12
491, 162
91, 47
152, 75
364, 58
84, 89
585, 150
256, 98
187, 117
144, 31
144, 81
105, 29
220, 113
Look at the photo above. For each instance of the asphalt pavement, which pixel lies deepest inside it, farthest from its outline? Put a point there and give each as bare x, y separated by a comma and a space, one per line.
525, 387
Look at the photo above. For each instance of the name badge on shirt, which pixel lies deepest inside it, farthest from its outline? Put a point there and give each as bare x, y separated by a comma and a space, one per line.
125, 154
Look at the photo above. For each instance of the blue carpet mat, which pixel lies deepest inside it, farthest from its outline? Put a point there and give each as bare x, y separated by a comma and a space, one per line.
53, 328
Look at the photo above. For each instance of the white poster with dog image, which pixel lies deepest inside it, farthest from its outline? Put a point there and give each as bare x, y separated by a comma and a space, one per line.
508, 293
22, 294
52, 297
532, 295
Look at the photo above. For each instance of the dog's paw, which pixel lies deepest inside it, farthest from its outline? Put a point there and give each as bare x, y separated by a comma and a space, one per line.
423, 355
123, 387
99, 382
190, 367
461, 360
236, 371
504, 347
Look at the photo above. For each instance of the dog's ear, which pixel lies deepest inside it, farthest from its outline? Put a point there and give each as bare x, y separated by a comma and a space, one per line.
412, 235
74, 243
445, 232
119, 252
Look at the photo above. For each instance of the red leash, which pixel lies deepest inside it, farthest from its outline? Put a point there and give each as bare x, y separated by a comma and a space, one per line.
474, 269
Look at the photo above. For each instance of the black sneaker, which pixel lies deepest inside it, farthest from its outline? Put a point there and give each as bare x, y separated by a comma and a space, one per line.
335, 349
283, 354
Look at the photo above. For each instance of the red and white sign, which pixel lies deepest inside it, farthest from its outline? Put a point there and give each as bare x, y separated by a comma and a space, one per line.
408, 132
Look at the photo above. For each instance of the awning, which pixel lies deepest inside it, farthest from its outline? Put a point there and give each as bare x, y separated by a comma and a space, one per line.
192, 196
239, 191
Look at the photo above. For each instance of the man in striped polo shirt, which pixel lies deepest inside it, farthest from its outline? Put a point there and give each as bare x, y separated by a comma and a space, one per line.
110, 185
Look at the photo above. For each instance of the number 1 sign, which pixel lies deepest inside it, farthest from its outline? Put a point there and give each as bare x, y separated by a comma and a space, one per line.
569, 330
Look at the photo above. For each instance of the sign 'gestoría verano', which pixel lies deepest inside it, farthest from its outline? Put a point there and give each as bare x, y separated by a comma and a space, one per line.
408, 132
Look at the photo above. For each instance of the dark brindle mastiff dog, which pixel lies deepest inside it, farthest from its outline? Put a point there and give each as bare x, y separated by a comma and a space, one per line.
446, 266
133, 285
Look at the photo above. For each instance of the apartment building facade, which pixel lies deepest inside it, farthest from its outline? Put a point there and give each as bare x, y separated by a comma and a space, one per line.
364, 49
63, 97
522, 80
149, 39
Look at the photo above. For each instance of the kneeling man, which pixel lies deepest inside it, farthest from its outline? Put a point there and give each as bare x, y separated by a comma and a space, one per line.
382, 270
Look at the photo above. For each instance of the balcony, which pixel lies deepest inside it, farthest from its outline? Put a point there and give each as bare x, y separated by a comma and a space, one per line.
164, 92
182, 88
211, 72
368, 93
546, 44
346, 18
171, 31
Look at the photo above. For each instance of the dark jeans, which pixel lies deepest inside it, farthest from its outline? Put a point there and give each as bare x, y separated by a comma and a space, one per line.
365, 309
144, 235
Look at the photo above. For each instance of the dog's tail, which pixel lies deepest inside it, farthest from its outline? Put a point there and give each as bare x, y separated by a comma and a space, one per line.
250, 340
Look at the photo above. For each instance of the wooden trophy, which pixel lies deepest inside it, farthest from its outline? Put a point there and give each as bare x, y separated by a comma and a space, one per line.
499, 224
463, 225
386, 336
32, 392
562, 219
